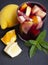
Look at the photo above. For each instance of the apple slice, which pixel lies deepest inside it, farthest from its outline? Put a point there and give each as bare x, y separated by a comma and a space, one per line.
41, 13
40, 24
21, 19
26, 26
20, 13
35, 9
27, 18
38, 11
28, 10
13, 50
24, 16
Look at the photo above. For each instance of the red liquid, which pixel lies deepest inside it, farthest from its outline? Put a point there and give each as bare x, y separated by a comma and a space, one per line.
33, 32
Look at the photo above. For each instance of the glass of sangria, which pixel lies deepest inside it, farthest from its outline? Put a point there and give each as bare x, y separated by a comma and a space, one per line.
30, 16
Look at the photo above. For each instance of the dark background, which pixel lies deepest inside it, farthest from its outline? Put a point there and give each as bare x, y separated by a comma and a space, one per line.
40, 58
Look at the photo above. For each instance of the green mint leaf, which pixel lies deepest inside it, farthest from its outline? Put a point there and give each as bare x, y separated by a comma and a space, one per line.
45, 50
41, 36
33, 42
39, 43
27, 43
32, 50
30, 42
36, 44
44, 44
39, 47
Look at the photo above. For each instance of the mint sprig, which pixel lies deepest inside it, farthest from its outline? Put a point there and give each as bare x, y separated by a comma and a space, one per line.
41, 36
32, 50
39, 43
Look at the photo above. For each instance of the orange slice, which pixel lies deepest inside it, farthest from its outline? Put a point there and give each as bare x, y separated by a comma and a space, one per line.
36, 19
23, 6
10, 36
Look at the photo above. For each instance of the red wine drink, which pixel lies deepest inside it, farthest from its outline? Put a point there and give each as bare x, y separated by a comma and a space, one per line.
30, 16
